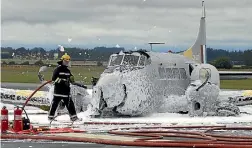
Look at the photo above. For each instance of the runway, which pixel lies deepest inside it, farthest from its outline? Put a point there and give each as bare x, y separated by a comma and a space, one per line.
235, 75
57, 145
23, 144
50, 145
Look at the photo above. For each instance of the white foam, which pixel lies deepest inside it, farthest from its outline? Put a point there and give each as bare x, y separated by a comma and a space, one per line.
166, 118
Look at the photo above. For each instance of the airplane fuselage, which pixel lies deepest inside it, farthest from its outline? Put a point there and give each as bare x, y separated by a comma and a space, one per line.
140, 89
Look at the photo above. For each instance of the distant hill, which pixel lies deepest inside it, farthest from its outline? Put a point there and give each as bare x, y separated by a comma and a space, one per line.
103, 53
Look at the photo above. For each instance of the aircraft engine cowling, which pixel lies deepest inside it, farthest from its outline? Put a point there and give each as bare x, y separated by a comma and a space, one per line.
202, 94
202, 101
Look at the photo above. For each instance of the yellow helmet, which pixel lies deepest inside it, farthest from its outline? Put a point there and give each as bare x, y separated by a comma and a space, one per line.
65, 57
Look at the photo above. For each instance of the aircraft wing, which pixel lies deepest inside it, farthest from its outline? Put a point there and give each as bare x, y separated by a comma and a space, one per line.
235, 75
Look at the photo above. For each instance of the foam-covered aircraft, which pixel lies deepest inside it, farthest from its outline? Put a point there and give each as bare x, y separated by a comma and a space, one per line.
137, 83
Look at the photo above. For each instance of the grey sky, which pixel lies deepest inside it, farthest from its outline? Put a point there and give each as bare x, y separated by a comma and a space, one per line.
125, 22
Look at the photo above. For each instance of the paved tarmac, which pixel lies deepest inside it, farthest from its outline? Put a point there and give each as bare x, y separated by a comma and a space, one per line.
57, 145
50, 145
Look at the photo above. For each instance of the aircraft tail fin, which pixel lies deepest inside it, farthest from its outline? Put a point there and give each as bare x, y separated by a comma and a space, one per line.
197, 51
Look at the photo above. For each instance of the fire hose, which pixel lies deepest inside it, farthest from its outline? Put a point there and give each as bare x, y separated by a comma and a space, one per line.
154, 136
204, 139
28, 99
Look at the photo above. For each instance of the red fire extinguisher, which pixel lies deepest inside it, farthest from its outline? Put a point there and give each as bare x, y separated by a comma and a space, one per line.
17, 123
4, 120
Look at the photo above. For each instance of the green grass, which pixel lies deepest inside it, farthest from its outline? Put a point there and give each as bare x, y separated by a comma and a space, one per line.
19, 61
236, 84
28, 74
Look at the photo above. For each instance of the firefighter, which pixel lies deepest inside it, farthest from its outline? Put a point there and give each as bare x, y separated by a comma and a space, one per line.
62, 78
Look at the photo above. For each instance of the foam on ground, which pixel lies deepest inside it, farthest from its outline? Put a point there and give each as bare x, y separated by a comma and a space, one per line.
165, 118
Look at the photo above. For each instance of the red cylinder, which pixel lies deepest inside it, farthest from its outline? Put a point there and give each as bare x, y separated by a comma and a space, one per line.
4, 119
17, 123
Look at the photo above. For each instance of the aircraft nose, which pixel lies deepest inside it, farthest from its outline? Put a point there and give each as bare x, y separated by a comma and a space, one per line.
109, 92
113, 95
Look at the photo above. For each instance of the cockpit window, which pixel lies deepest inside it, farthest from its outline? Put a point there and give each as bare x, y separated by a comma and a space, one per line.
127, 60
116, 60
142, 61
130, 60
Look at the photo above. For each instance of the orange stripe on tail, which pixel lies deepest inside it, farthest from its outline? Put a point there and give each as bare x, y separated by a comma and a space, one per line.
201, 54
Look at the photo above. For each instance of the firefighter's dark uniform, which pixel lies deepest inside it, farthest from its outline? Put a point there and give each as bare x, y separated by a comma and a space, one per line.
61, 78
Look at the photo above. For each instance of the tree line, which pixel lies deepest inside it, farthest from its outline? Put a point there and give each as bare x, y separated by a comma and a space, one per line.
226, 59
77, 54
214, 56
